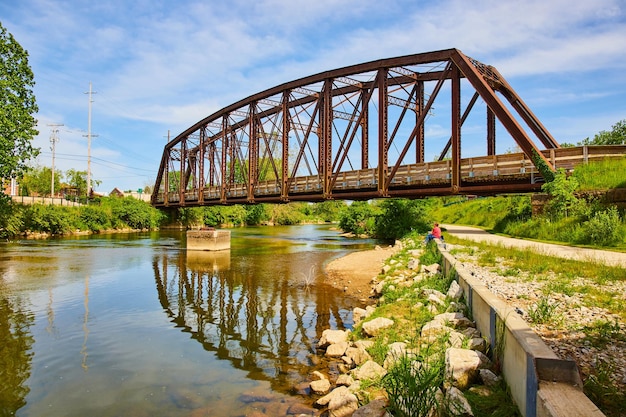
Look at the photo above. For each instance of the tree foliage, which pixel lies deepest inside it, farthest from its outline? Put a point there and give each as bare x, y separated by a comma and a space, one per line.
358, 218
400, 216
561, 191
615, 136
38, 181
18, 105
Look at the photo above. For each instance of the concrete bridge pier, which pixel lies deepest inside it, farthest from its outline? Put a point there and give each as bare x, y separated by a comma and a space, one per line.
208, 239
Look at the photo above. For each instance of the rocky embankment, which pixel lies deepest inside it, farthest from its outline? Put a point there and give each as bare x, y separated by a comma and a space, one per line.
448, 350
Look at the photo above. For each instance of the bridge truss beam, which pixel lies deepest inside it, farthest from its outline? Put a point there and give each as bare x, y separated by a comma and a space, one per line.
309, 139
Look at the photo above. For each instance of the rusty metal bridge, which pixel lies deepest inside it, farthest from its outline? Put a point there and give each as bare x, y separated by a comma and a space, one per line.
311, 139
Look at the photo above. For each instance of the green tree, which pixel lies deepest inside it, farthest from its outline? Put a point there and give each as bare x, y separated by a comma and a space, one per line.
38, 181
18, 105
616, 136
329, 210
257, 214
78, 180
358, 218
399, 217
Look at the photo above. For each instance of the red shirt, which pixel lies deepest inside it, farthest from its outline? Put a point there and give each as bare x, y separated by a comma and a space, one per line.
436, 232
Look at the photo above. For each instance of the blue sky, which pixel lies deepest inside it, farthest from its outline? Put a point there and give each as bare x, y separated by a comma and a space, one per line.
163, 65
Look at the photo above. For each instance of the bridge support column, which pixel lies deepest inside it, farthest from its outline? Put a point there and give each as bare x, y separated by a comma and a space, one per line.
210, 240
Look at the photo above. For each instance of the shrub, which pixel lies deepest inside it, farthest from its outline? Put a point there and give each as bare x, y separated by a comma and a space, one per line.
358, 218
51, 219
603, 229
11, 218
399, 217
94, 218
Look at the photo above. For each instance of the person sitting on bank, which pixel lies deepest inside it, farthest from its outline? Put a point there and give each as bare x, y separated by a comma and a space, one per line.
434, 234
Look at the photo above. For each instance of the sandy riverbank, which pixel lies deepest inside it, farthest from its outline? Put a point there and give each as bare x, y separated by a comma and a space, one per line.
353, 273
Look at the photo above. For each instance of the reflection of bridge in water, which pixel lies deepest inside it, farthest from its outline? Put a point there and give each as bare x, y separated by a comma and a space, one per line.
258, 315
309, 139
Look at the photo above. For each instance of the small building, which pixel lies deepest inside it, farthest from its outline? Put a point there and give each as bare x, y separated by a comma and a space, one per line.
139, 194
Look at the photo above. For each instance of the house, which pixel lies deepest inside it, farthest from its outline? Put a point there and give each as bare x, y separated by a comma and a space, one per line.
139, 194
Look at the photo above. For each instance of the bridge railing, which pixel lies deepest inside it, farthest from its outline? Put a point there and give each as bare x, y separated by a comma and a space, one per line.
491, 168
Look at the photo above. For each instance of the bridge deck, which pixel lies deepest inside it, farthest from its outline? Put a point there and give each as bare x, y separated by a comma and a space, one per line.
484, 175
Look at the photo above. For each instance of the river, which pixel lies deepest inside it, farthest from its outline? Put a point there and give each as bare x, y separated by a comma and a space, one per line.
134, 325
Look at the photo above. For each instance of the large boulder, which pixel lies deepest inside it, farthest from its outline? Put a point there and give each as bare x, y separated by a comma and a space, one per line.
462, 366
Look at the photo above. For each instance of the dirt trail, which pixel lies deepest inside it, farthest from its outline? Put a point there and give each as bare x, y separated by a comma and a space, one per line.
561, 251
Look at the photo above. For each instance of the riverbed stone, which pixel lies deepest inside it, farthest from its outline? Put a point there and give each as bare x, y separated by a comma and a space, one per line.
344, 380
336, 350
330, 337
358, 355
375, 327
323, 401
321, 386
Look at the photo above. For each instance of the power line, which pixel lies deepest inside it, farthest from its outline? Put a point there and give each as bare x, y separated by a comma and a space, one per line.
74, 157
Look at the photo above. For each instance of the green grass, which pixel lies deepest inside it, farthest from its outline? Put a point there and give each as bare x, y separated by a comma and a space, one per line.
601, 175
602, 391
544, 311
494, 403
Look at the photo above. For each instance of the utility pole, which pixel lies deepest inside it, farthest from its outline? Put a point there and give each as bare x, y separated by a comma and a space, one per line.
89, 136
53, 140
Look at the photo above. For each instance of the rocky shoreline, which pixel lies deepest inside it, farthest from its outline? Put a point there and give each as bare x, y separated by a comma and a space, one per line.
450, 340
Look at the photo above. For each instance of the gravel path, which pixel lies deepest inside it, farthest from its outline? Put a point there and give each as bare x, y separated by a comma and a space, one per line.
561, 251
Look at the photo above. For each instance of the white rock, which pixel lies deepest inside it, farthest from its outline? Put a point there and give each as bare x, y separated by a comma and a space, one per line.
455, 291
375, 327
330, 337
336, 350
334, 393
344, 380
321, 386
358, 355
370, 370
462, 366
457, 404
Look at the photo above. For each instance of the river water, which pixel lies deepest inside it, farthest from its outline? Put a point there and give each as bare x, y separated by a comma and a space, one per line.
134, 325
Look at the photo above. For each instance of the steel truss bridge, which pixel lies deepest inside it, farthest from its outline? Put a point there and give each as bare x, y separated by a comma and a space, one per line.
362, 132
